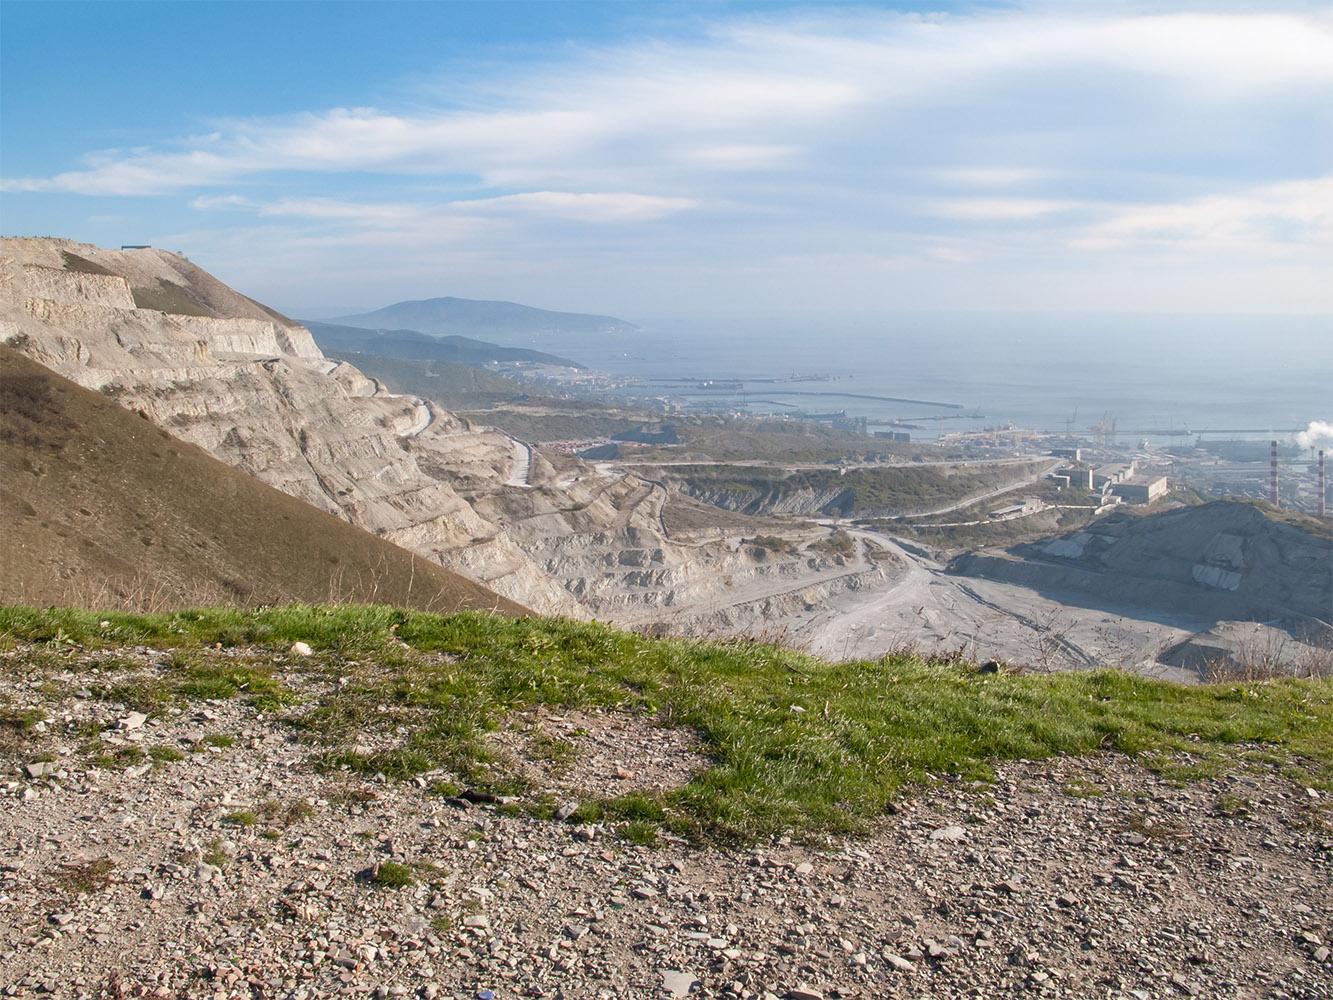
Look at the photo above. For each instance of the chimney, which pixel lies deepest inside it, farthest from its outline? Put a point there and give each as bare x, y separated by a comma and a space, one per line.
1323, 510
1272, 467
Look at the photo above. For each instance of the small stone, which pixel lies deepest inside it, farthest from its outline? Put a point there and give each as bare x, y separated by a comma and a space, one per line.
134, 720
1067, 900
804, 868
1184, 985
301, 649
898, 962
567, 810
477, 922
802, 993
1322, 954
677, 984
952, 833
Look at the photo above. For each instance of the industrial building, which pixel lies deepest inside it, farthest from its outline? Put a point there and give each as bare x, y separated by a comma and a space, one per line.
1030, 505
1079, 477
1140, 489
1108, 475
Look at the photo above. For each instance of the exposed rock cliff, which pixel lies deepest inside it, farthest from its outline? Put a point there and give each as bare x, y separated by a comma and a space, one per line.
250, 386
254, 390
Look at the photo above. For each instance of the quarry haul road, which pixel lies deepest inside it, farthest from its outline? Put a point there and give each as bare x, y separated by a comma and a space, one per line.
522, 466
769, 588
931, 610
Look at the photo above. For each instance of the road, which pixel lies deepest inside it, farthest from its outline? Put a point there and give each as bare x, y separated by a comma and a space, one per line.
522, 466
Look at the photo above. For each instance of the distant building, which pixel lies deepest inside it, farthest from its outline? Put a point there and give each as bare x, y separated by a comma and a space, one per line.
1140, 489
902, 436
1108, 475
1030, 505
1079, 477
1073, 454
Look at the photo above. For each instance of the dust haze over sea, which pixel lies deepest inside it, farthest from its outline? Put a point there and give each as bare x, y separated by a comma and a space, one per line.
1258, 374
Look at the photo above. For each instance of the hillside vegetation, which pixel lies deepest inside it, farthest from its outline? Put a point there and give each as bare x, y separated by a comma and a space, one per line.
452, 385
792, 742
103, 508
861, 492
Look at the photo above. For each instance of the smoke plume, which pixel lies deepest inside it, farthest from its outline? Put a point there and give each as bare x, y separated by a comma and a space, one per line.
1319, 430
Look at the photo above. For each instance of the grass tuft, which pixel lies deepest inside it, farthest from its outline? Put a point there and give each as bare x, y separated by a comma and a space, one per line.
392, 875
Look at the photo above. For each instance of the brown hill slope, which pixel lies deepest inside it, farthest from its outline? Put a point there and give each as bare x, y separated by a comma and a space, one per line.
102, 508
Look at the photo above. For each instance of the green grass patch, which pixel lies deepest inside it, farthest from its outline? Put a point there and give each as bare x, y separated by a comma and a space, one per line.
795, 743
241, 817
219, 739
85, 877
214, 855
392, 875
115, 758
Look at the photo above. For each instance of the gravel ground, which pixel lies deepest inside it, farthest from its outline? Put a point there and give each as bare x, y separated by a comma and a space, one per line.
238, 871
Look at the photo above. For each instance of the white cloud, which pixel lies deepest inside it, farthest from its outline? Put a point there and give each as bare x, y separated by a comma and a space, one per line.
1002, 209
1277, 218
991, 139
609, 207
950, 256
594, 207
763, 89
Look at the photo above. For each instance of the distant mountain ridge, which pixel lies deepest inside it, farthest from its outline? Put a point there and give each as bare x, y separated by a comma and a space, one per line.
481, 318
413, 345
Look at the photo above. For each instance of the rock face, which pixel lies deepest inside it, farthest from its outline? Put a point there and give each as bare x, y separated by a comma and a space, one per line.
255, 391
250, 386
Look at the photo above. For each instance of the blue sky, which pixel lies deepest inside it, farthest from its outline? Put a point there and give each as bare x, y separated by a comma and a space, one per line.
708, 159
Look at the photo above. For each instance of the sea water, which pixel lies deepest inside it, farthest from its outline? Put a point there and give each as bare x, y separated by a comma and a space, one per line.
1166, 378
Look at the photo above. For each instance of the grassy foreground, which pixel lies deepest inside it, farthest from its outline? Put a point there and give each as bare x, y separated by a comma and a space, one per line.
797, 744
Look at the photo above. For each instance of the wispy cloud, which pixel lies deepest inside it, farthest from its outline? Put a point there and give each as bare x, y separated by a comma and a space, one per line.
954, 139
1277, 218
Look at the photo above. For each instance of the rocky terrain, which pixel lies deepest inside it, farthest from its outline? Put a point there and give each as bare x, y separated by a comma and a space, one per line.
164, 338
199, 851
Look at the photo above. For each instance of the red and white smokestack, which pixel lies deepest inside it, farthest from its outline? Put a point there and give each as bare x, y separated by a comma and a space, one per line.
1323, 510
1272, 467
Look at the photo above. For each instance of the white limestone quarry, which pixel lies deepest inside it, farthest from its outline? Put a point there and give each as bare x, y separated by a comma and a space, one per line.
252, 388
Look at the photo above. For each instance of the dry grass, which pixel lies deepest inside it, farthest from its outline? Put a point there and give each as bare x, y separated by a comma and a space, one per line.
103, 509
1271, 656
